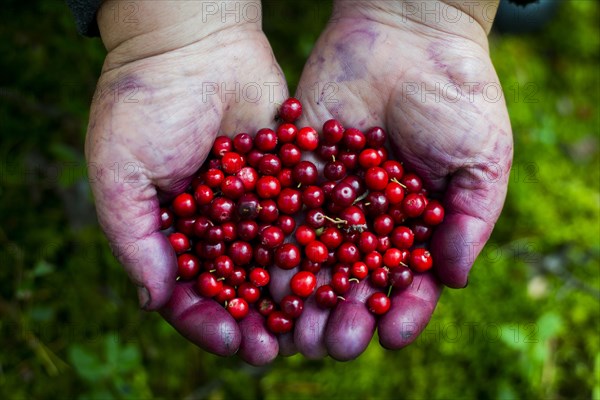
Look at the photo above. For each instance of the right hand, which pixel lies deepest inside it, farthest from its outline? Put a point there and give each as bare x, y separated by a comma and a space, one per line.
161, 100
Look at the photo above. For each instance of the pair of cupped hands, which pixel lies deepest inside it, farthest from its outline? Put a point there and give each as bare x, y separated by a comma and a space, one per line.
165, 94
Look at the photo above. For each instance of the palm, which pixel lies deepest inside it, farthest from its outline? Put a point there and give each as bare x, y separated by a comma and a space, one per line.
372, 74
146, 138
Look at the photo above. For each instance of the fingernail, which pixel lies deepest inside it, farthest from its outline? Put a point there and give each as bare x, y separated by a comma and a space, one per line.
144, 297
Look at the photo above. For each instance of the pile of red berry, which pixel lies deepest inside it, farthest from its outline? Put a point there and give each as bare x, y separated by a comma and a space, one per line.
259, 203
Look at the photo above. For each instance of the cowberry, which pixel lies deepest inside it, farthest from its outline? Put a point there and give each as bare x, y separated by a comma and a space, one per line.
290, 110
303, 283
378, 303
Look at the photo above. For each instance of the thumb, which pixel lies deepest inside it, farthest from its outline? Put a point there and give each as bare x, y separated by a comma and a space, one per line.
473, 201
128, 211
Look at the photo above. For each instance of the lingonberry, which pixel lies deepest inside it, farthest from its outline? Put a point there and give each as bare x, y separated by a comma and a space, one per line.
185, 225
307, 139
263, 256
392, 258
286, 133
313, 196
267, 187
349, 159
270, 164
355, 219
240, 252
229, 231
379, 277
334, 170
227, 293
232, 187
179, 242
231, 162
359, 270
333, 131
383, 225
343, 195
253, 157
358, 184
238, 308
259, 276
326, 297
268, 211
422, 231
433, 213
376, 204
223, 266
394, 192
394, 169
265, 306
376, 137
316, 251
201, 226
367, 242
347, 253
249, 292
290, 110
208, 285
249, 177
400, 277
271, 237
373, 260
278, 322
383, 243
369, 158
340, 267
203, 195
315, 218
289, 201
287, 256
305, 173
214, 234
222, 145
188, 266
221, 210
265, 140
413, 205
248, 206
327, 152
353, 139
340, 282
237, 276
378, 303
402, 237
376, 178
331, 238
286, 223
184, 205
290, 155
213, 177
165, 218
310, 266
285, 177
242, 143
303, 283
292, 306
305, 234
412, 183
420, 260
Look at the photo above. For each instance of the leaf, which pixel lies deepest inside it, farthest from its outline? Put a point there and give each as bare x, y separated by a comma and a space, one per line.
87, 365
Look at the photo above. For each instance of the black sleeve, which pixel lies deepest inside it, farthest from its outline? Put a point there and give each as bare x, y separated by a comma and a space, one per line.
522, 2
84, 12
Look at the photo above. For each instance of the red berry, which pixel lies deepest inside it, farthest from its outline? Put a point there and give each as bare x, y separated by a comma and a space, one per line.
376, 137
376, 178
383, 225
166, 218
331, 238
222, 145
290, 155
313, 197
422, 231
265, 306
347, 253
333, 131
232, 162
221, 210
310, 266
316, 251
286, 223
249, 292
287, 256
203, 195
305, 234
240, 253
238, 308
214, 177
401, 277
242, 143
290, 110
185, 225
289, 201
286, 133
367, 242
223, 266
270, 164
271, 237
232, 187
340, 283
343, 195
188, 266
249, 177
247, 230
359, 270
379, 277
267, 187
303, 283
413, 205
412, 183
179, 242
392, 258
263, 256
373, 260
278, 322
353, 139
259, 276
335, 170
326, 297
208, 285
227, 293
237, 276
184, 205
201, 227
305, 173
307, 139
369, 158
420, 260
265, 140
434, 213
394, 192
378, 303
394, 169
268, 211
292, 306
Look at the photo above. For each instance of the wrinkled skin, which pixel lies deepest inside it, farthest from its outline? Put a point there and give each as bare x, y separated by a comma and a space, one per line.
158, 132
145, 144
369, 73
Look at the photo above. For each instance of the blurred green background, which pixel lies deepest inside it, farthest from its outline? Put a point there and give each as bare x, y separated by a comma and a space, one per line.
527, 326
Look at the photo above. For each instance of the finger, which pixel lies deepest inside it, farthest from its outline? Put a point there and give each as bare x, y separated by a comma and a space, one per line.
287, 347
309, 332
410, 312
473, 202
202, 321
259, 346
351, 325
